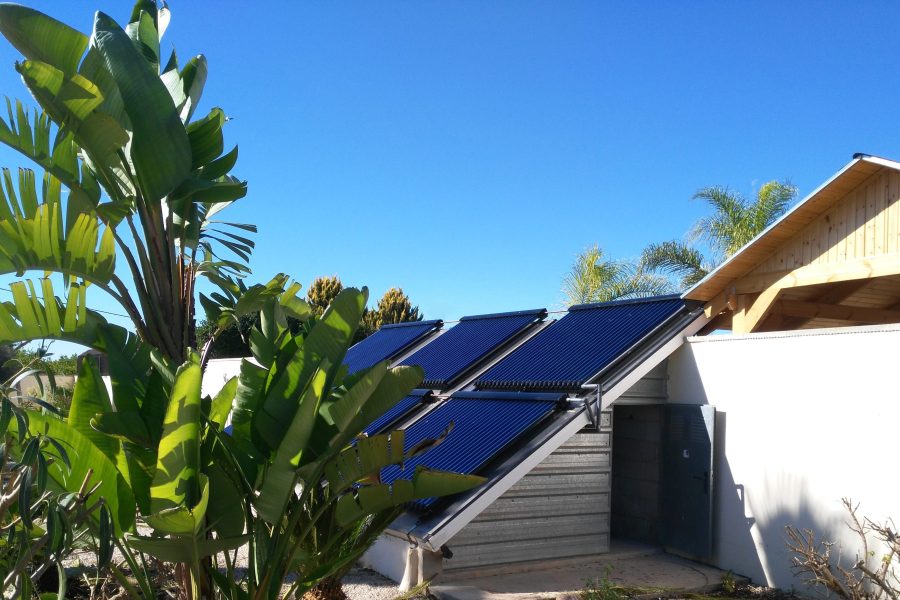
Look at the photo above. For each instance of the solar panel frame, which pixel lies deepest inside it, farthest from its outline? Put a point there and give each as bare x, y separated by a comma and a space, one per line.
457, 350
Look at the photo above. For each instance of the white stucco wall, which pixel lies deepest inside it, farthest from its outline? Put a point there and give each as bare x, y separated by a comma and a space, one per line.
803, 419
218, 372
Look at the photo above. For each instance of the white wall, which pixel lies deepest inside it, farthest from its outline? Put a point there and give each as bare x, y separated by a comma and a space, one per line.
803, 419
218, 372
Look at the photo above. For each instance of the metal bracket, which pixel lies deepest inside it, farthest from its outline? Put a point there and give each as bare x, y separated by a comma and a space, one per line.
593, 416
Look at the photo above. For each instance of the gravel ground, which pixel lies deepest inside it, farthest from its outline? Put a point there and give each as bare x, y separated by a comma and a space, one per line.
363, 584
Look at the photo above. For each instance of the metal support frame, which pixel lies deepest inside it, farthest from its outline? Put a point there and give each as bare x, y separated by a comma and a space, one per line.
593, 416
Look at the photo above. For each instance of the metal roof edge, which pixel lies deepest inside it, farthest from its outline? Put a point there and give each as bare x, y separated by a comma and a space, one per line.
438, 323
537, 312
878, 160
857, 158
647, 300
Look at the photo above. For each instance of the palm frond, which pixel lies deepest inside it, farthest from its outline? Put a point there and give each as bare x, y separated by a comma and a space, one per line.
596, 279
676, 259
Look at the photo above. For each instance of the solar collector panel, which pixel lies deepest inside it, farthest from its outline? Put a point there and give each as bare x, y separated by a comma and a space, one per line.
398, 411
387, 343
485, 423
460, 348
586, 340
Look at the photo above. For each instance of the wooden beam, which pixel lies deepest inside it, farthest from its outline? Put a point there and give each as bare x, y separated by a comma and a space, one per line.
867, 268
752, 311
833, 294
816, 310
721, 322
724, 300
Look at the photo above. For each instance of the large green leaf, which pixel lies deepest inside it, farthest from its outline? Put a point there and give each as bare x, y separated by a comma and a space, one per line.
366, 458
425, 483
205, 135
361, 405
184, 549
159, 145
225, 512
176, 483
220, 405
90, 398
181, 519
328, 340
30, 134
142, 31
27, 317
86, 457
281, 475
43, 38
33, 237
75, 93
71, 101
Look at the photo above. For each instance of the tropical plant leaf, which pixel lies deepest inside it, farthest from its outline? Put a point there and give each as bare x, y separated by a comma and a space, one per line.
368, 456
33, 237
207, 141
43, 38
353, 411
327, 341
180, 519
176, 483
27, 317
159, 144
221, 403
184, 549
226, 503
86, 457
281, 475
142, 31
425, 483
30, 134
74, 96
90, 398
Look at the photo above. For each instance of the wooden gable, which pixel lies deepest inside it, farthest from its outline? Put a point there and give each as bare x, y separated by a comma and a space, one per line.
833, 260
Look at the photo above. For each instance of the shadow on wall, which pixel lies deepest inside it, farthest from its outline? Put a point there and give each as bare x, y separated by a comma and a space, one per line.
750, 537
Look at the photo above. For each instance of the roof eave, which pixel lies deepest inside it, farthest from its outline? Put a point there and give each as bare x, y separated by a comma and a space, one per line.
703, 290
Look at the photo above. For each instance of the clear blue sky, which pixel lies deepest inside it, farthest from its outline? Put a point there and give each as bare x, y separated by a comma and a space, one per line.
467, 151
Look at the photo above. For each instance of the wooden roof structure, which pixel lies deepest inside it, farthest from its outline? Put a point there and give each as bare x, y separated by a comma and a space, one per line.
832, 260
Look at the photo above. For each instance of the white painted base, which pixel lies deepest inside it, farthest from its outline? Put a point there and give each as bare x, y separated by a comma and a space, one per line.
387, 556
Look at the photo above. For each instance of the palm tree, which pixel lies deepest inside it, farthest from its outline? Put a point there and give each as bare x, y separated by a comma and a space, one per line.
734, 222
593, 278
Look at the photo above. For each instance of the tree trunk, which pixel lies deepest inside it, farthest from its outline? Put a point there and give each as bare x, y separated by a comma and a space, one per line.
327, 589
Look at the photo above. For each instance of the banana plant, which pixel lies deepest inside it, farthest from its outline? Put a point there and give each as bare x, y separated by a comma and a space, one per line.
129, 202
144, 179
294, 479
296, 424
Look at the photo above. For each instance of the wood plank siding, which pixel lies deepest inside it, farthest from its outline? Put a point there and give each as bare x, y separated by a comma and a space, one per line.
864, 223
833, 260
789, 228
561, 508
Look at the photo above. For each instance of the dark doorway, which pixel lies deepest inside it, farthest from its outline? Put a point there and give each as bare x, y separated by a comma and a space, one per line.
687, 480
636, 460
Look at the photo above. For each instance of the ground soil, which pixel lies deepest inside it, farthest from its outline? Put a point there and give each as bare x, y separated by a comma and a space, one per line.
740, 592
358, 584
